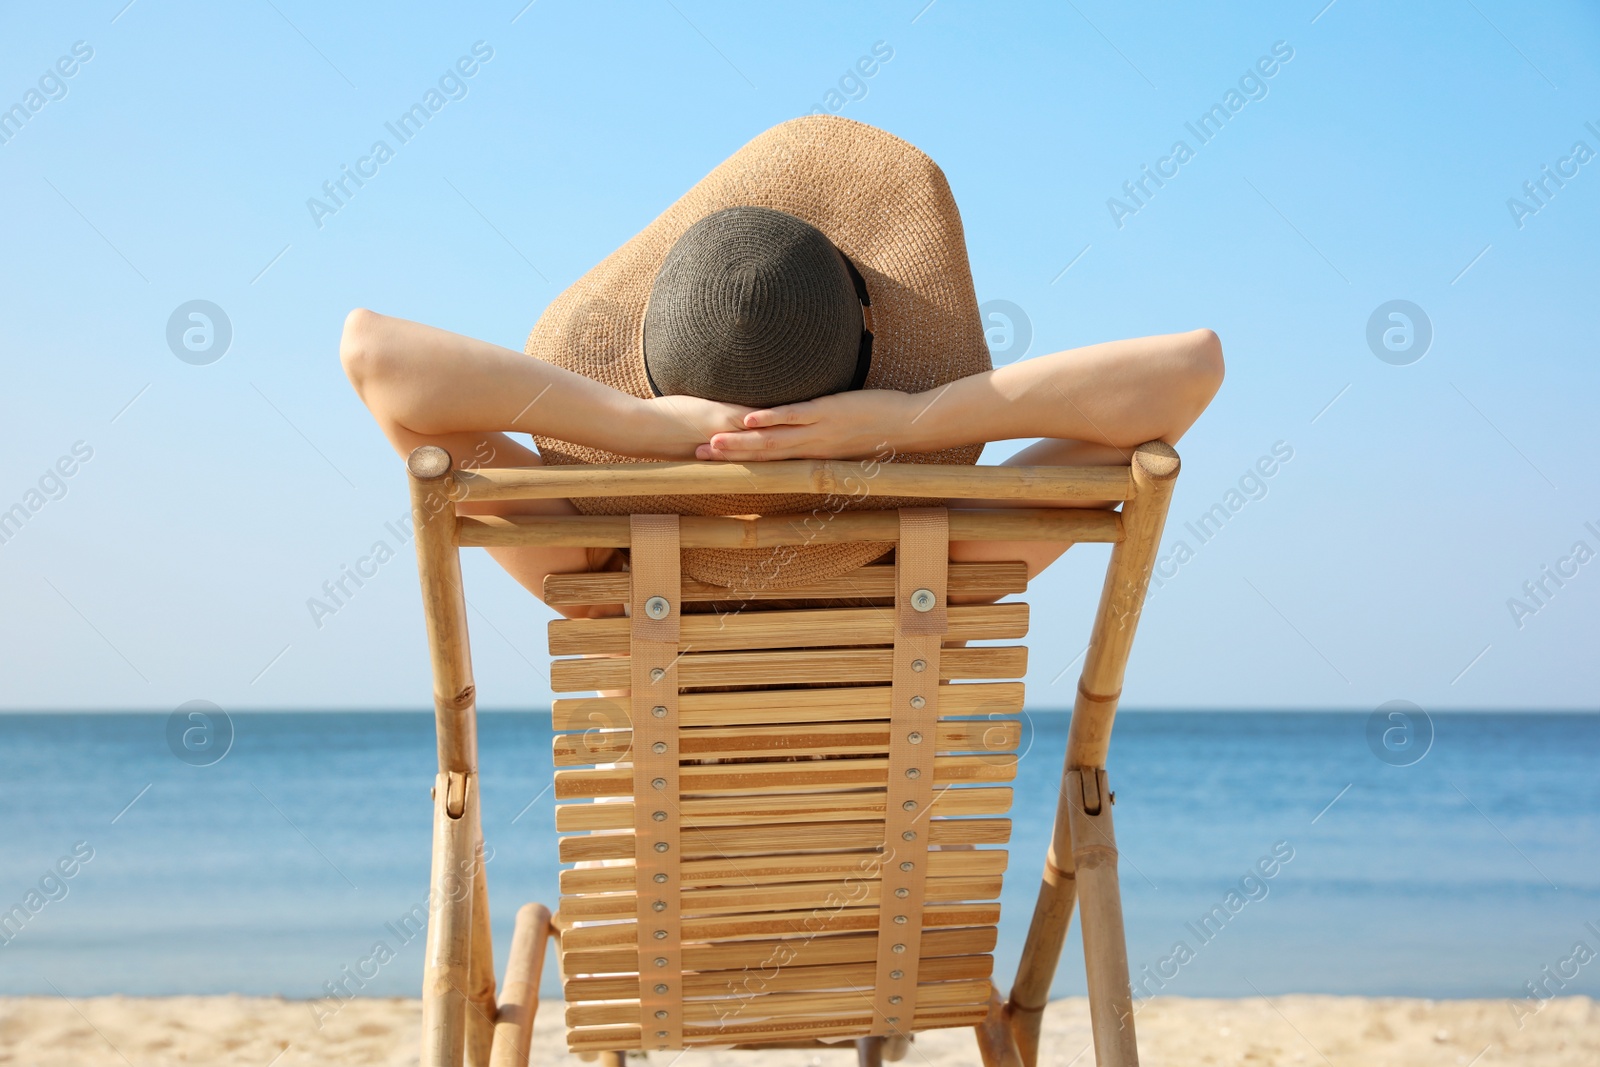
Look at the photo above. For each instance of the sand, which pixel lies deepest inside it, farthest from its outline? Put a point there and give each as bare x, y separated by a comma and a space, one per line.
1320, 1030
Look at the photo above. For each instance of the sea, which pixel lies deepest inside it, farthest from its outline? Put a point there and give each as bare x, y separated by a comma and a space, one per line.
1452, 855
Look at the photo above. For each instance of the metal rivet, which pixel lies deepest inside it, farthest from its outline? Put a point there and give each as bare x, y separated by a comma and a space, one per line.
661, 878
896, 999
912, 772
919, 703
662, 846
914, 737
898, 948
894, 1018
657, 607
900, 920
909, 835
902, 892
661, 935
659, 783
659, 816
662, 1033
910, 805
657, 673
661, 987
659, 905
661, 961
919, 665
923, 600
897, 975
661, 1015
908, 866
659, 711
659, 747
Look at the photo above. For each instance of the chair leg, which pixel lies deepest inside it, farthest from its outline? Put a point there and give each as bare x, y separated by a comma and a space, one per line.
1105, 949
481, 1011
519, 997
444, 976
869, 1051
613, 1059
895, 1047
995, 1044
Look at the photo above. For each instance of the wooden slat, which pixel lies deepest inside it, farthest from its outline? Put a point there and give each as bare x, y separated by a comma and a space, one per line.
780, 1005
593, 907
789, 668
610, 1038
1059, 525
847, 478
765, 840
811, 776
778, 870
758, 706
806, 951
872, 581
746, 810
782, 979
820, 739
816, 627
808, 921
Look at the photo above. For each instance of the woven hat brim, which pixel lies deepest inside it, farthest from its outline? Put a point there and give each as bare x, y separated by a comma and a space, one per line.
888, 207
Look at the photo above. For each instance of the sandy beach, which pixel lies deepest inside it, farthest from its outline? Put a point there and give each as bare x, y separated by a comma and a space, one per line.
1336, 1031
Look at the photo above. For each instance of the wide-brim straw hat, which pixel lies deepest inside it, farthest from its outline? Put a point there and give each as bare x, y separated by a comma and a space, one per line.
886, 206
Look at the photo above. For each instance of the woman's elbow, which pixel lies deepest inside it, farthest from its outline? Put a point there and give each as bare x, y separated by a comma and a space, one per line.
358, 348
1203, 367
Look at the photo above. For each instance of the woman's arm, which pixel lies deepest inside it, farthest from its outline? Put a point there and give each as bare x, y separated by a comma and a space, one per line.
431, 387
1104, 398
431, 383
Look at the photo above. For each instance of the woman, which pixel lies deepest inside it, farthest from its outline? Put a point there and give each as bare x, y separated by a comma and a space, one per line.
810, 298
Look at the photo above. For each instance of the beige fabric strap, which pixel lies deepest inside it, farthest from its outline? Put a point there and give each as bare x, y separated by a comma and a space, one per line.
921, 568
655, 610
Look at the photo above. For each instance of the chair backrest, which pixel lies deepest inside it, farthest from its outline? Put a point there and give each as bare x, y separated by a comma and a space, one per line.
814, 877
784, 823
783, 851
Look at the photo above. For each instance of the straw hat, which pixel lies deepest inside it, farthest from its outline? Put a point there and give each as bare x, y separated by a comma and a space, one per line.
888, 209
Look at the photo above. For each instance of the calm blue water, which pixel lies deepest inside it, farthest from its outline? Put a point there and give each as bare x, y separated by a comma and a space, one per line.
1461, 875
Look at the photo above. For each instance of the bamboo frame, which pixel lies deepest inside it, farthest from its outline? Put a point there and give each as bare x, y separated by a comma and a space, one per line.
1154, 470
823, 477
519, 999
1071, 525
458, 998
462, 1021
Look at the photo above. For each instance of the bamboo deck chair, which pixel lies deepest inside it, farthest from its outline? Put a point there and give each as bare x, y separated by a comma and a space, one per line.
784, 829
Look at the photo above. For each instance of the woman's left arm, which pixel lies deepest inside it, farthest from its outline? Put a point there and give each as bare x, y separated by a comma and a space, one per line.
1117, 395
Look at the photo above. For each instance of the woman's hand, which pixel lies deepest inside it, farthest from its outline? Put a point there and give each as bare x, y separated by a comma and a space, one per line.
842, 426
676, 426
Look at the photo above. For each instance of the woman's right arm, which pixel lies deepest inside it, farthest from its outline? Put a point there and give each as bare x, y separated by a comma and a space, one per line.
418, 380
427, 386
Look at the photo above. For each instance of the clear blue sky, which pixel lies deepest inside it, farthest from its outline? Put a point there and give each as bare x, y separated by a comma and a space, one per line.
175, 164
